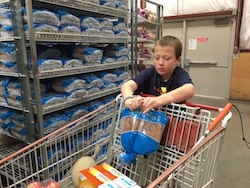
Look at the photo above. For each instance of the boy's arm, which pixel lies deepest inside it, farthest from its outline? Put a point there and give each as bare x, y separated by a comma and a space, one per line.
127, 90
177, 95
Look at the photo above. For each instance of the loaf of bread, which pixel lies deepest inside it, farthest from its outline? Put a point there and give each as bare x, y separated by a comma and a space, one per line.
153, 130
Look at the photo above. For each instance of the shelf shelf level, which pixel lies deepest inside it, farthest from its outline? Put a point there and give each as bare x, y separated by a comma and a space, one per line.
87, 98
72, 38
89, 7
80, 70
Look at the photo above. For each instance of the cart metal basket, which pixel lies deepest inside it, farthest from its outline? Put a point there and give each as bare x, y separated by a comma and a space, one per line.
187, 156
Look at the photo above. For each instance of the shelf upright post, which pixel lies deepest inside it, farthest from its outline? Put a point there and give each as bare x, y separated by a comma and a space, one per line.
132, 36
23, 68
134, 25
36, 80
160, 22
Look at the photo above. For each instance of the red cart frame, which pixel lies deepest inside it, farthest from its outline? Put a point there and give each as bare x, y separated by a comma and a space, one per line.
187, 156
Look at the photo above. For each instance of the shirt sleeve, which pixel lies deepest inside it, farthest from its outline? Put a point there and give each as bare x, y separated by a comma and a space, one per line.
182, 77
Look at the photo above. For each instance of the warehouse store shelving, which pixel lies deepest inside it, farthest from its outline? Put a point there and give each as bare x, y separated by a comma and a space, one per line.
33, 111
140, 40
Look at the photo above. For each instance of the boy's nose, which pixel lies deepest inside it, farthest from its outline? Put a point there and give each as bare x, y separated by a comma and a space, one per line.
161, 61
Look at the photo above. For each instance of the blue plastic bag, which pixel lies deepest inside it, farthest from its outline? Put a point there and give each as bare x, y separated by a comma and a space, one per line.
140, 133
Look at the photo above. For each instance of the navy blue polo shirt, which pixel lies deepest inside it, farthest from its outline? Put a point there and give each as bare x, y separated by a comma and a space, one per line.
150, 82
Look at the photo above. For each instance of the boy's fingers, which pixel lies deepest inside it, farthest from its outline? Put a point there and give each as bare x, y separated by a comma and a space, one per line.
146, 110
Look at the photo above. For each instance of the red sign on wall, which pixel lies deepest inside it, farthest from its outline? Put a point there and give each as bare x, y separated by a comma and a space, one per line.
202, 39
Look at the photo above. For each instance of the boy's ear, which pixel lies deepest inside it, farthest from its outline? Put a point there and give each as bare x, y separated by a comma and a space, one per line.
178, 61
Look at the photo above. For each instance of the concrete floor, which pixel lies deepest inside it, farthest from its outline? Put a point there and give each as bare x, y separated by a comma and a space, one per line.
234, 165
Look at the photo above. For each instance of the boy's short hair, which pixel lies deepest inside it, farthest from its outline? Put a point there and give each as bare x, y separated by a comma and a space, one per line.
171, 41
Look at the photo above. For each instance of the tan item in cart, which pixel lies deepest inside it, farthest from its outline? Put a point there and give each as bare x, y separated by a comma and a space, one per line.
82, 164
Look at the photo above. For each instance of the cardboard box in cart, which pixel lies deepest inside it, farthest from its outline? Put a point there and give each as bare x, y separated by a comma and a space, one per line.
104, 176
115, 175
92, 178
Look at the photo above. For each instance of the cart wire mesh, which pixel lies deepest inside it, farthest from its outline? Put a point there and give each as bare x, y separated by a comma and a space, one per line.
53, 155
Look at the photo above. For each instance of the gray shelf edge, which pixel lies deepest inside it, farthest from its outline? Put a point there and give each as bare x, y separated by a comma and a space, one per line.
79, 38
11, 74
90, 7
79, 70
4, 1
62, 106
2, 104
64, 37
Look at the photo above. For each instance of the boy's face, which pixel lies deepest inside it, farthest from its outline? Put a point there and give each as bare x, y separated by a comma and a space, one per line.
165, 60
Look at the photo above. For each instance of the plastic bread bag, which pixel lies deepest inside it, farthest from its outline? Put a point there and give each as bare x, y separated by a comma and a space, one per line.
105, 24
87, 53
69, 29
107, 86
105, 60
50, 99
6, 18
93, 90
14, 100
121, 6
107, 77
94, 105
116, 51
54, 122
121, 75
18, 119
42, 28
106, 3
90, 31
93, 81
76, 112
6, 31
17, 131
119, 26
5, 115
8, 54
43, 17
69, 63
68, 19
49, 64
89, 22
140, 133
122, 59
67, 85
77, 94
48, 51
107, 33
8, 67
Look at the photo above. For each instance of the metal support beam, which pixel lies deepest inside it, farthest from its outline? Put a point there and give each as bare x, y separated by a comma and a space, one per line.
23, 68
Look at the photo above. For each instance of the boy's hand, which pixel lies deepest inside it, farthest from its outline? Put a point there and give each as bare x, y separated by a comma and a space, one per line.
134, 103
150, 103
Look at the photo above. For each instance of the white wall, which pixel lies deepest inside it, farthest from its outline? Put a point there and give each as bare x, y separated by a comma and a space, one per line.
245, 26
179, 7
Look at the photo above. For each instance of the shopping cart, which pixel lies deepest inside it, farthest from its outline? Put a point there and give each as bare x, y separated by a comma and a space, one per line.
187, 156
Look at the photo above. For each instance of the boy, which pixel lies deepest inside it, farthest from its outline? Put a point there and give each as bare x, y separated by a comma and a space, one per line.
168, 82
